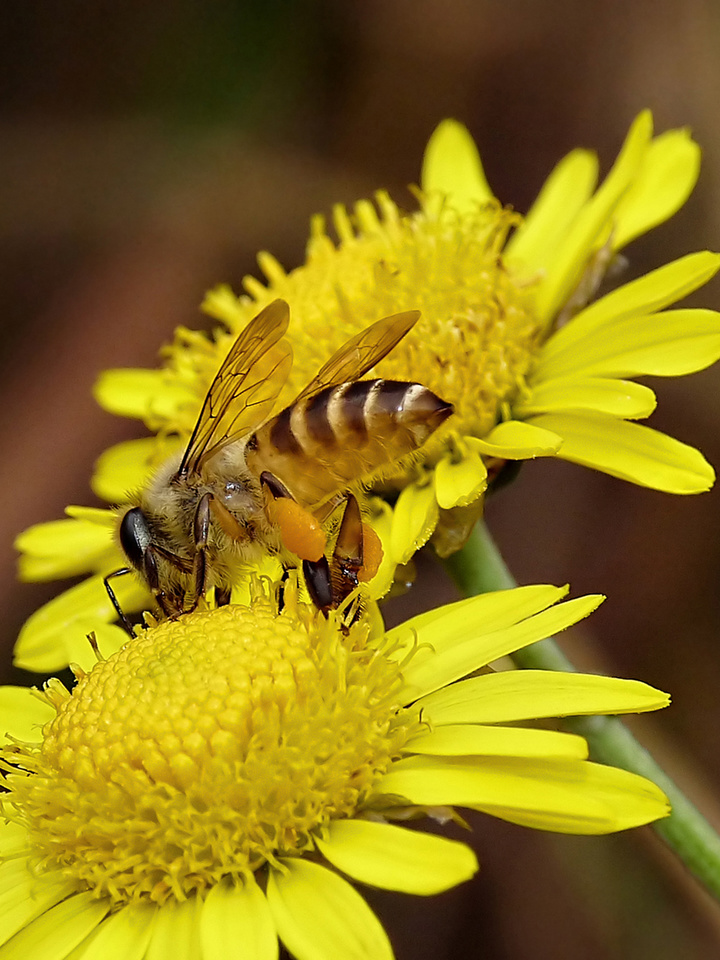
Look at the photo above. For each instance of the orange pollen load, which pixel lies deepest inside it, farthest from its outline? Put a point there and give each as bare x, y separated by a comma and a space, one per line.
372, 554
300, 530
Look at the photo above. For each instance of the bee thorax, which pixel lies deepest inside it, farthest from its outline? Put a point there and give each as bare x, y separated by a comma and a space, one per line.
236, 496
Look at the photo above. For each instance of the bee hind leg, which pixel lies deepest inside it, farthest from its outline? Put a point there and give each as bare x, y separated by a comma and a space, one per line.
347, 556
300, 531
276, 488
318, 580
330, 582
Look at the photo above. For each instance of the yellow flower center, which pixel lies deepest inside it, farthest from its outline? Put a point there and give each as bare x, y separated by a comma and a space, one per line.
477, 334
206, 748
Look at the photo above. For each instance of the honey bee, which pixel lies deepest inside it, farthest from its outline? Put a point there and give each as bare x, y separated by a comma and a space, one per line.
246, 484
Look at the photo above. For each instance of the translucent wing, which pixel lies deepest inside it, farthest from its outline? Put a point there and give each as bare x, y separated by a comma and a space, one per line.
319, 467
245, 387
362, 352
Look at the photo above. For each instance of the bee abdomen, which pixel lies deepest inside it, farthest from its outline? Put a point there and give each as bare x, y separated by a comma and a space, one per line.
407, 405
355, 412
344, 434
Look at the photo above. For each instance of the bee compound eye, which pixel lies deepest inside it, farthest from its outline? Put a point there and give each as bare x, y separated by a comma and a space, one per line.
135, 536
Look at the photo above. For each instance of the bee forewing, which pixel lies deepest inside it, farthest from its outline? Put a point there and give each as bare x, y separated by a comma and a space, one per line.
245, 387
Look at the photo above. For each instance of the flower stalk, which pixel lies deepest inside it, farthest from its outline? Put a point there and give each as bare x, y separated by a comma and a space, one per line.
479, 568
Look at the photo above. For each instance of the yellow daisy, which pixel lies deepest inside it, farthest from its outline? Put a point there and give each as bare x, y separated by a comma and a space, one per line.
219, 783
505, 335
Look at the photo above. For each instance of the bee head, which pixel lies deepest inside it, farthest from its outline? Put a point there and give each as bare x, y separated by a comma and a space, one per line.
135, 537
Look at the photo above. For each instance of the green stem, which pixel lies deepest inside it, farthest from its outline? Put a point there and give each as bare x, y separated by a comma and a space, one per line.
478, 568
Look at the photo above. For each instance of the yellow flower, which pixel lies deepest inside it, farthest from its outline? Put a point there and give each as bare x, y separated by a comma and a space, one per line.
214, 782
505, 335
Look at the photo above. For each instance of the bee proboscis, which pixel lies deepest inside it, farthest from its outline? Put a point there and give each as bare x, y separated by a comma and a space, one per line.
246, 484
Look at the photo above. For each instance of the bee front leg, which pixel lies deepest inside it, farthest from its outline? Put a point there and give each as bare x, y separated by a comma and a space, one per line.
127, 626
152, 575
201, 530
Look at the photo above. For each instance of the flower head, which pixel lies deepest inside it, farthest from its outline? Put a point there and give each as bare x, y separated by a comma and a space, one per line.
509, 334
220, 776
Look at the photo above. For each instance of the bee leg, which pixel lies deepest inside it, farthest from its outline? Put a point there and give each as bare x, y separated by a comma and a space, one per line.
280, 590
319, 583
222, 596
275, 487
152, 576
201, 528
300, 531
347, 557
127, 626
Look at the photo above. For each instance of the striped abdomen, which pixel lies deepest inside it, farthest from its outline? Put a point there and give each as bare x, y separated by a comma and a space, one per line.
343, 434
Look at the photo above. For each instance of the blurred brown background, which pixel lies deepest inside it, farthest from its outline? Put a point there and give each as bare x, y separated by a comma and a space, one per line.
147, 151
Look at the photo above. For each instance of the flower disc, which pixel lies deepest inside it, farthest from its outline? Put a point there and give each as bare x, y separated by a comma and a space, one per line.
208, 747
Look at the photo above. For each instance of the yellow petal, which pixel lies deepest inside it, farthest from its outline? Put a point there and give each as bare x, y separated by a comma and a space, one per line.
63, 548
513, 695
516, 440
13, 844
146, 395
125, 467
452, 168
459, 483
414, 519
563, 195
48, 634
381, 520
233, 915
665, 181
99, 516
630, 451
449, 650
648, 294
494, 610
23, 899
667, 344
54, 934
81, 949
591, 227
466, 739
319, 916
391, 857
618, 398
124, 935
108, 637
176, 933
567, 796
22, 714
